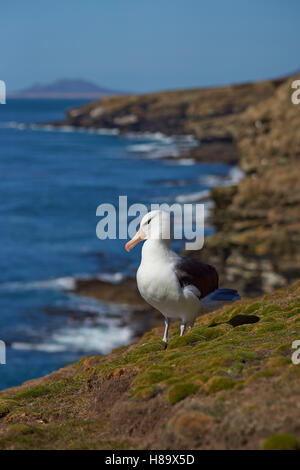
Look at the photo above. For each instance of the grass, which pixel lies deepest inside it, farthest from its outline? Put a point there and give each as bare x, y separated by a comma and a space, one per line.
281, 442
181, 390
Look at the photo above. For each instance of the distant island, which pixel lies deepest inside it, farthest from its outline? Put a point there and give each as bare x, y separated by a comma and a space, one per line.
65, 88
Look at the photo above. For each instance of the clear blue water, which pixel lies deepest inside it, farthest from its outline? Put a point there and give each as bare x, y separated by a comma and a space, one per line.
51, 184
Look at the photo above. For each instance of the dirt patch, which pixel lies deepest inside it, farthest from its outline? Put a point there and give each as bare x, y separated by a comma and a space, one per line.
109, 391
143, 421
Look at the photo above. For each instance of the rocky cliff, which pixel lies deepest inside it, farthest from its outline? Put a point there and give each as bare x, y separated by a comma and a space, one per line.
258, 221
229, 383
211, 115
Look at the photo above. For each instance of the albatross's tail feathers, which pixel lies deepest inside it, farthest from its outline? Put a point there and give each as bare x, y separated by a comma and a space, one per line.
219, 297
225, 294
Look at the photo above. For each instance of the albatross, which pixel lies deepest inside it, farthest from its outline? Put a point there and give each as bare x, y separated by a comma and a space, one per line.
180, 288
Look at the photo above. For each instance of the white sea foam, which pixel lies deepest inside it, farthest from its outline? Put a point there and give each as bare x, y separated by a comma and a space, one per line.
233, 177
60, 283
158, 145
53, 128
89, 339
107, 131
193, 197
45, 347
154, 136
141, 148
184, 161
84, 339
114, 278
13, 125
67, 283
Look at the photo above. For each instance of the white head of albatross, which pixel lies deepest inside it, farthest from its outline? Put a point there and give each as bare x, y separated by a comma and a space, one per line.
180, 288
156, 225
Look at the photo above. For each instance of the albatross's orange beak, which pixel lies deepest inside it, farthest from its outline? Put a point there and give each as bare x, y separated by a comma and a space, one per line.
139, 236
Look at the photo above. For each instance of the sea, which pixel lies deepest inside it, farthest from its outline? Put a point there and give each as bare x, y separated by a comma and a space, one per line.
52, 181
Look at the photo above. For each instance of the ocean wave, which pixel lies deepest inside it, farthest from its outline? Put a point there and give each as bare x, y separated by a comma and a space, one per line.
52, 128
44, 347
103, 131
13, 125
113, 278
193, 197
61, 283
152, 136
89, 339
158, 145
154, 145
84, 339
184, 161
232, 177
66, 283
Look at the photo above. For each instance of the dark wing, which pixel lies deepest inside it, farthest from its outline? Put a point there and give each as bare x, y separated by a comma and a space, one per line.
193, 272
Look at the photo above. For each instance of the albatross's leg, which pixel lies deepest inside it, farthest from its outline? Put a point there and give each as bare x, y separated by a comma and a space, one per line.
191, 325
182, 328
167, 322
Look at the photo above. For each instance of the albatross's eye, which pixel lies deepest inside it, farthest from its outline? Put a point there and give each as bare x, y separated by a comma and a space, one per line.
149, 221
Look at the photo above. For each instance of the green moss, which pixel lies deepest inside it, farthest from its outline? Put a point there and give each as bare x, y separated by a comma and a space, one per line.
252, 308
270, 308
270, 327
4, 408
180, 391
268, 319
284, 349
34, 392
154, 375
50, 389
198, 334
150, 347
236, 310
172, 356
144, 391
265, 373
217, 383
70, 434
293, 312
281, 442
216, 332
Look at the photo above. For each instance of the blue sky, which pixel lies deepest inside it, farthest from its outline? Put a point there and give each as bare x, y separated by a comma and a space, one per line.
145, 45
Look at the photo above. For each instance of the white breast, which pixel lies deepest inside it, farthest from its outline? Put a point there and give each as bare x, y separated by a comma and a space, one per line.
159, 286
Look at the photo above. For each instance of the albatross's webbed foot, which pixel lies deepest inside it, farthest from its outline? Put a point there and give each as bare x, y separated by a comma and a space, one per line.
182, 328
167, 323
